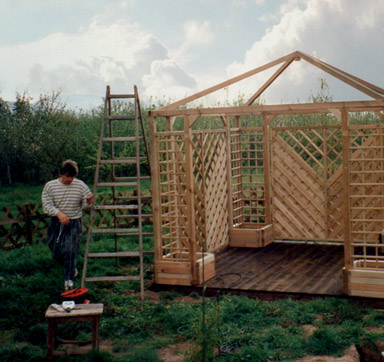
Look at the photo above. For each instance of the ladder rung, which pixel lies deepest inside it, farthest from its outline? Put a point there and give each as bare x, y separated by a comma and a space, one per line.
113, 278
120, 139
111, 96
131, 197
139, 178
120, 118
113, 184
115, 207
130, 235
112, 231
123, 160
121, 254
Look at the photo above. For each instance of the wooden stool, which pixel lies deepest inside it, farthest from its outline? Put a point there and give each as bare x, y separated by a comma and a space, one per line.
81, 313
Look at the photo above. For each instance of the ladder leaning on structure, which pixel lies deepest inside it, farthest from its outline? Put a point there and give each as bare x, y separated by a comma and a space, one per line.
121, 153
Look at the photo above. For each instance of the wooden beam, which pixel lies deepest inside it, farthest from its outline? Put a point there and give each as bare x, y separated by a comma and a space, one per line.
155, 179
267, 172
229, 172
346, 187
270, 81
228, 82
191, 226
351, 106
362, 81
346, 79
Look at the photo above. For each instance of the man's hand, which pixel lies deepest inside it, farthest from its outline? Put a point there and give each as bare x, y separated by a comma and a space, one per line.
90, 199
63, 218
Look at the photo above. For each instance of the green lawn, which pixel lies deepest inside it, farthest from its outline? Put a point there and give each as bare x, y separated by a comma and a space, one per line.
242, 329
236, 328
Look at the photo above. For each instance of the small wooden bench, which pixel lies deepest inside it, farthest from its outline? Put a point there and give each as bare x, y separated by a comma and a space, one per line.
81, 313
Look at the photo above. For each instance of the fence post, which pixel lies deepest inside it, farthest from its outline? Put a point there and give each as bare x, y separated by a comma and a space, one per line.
28, 223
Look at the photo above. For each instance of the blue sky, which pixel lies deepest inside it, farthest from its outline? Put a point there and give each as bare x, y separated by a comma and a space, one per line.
174, 48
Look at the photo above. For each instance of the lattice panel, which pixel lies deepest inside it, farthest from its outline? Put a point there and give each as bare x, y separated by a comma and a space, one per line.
319, 147
335, 206
299, 203
334, 151
173, 191
237, 182
366, 189
251, 163
211, 189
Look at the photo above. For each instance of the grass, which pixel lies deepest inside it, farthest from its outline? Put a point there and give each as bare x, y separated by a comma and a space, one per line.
236, 329
19, 194
239, 328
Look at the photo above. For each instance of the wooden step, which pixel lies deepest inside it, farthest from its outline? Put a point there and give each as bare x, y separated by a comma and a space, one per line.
117, 183
128, 231
120, 139
120, 254
113, 278
130, 235
139, 178
115, 207
120, 118
123, 161
114, 96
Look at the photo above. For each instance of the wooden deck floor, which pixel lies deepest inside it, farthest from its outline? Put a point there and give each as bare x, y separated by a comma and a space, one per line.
281, 267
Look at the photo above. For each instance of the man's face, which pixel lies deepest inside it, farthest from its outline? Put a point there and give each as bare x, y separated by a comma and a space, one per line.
66, 180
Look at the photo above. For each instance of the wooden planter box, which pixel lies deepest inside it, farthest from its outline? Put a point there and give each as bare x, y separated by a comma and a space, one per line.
251, 236
172, 272
366, 279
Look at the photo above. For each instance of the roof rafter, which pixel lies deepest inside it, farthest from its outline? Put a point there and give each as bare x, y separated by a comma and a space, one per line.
270, 80
228, 82
361, 85
346, 77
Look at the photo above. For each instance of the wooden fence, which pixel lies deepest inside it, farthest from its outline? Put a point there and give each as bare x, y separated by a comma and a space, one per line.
26, 224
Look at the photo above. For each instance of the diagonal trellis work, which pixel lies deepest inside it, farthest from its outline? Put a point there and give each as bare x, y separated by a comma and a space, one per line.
307, 183
299, 205
211, 196
209, 189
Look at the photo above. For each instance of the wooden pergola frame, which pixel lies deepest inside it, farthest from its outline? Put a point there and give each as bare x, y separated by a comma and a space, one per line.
187, 270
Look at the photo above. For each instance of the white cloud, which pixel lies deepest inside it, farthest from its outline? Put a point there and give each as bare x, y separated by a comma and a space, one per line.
340, 32
119, 54
198, 34
167, 80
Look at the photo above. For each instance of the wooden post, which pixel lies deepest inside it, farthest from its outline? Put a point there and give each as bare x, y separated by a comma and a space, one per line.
346, 190
155, 179
267, 184
325, 185
190, 197
229, 172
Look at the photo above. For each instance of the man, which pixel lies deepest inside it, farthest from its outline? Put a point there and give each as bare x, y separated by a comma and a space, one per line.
63, 199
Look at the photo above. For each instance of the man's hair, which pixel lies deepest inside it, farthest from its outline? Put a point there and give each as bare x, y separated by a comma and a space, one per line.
69, 168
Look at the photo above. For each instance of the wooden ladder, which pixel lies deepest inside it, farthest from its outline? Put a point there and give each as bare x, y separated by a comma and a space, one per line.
118, 169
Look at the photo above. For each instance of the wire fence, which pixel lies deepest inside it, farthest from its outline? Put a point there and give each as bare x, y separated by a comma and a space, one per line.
27, 224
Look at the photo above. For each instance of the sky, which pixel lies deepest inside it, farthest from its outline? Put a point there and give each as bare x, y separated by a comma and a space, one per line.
171, 49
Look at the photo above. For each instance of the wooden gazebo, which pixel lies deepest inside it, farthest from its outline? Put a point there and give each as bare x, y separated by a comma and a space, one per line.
241, 177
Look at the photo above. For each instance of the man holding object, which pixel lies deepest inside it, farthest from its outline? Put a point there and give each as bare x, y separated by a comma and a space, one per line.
64, 199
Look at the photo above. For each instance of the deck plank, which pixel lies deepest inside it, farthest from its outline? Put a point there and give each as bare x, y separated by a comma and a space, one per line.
281, 267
